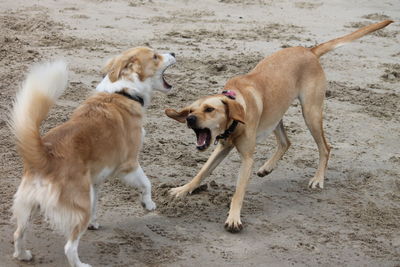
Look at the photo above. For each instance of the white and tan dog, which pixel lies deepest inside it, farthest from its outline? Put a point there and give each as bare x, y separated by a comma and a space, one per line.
103, 137
253, 106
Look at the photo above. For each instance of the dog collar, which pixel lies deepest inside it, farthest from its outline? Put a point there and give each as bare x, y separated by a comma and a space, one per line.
232, 95
227, 132
132, 97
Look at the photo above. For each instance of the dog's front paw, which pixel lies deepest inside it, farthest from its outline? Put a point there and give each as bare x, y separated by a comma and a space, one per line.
316, 182
180, 191
94, 226
263, 172
24, 255
149, 205
233, 225
266, 168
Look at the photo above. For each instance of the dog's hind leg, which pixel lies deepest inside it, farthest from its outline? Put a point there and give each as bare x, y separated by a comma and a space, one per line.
283, 146
138, 179
71, 248
79, 216
220, 152
72, 216
22, 209
312, 106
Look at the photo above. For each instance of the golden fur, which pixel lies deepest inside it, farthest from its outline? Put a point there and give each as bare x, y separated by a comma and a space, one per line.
263, 97
103, 137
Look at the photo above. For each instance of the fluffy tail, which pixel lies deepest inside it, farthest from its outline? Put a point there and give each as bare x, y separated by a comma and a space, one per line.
323, 48
44, 84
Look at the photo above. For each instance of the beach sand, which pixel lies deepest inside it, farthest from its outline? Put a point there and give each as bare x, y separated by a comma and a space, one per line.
353, 221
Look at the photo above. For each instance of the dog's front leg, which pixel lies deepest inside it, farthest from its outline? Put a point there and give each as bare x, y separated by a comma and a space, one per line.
220, 152
246, 148
138, 179
93, 225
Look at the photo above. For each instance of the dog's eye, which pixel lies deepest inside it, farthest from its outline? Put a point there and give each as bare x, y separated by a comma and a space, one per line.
209, 110
155, 56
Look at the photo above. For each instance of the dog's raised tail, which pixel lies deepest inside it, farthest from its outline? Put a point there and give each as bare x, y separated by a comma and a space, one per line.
43, 85
324, 48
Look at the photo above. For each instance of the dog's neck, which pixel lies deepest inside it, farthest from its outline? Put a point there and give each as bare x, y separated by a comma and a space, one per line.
132, 86
227, 133
132, 97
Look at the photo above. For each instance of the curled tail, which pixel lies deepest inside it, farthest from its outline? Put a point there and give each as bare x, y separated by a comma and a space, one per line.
44, 84
324, 48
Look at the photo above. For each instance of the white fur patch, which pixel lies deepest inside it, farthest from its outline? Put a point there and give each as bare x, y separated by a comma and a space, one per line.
71, 251
49, 80
111, 87
138, 179
103, 175
134, 86
39, 192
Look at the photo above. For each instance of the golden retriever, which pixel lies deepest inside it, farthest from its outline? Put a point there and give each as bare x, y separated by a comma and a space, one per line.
103, 137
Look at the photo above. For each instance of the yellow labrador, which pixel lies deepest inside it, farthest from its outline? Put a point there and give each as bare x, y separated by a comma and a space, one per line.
254, 105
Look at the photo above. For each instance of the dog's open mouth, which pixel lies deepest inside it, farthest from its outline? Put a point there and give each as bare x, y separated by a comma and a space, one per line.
203, 138
165, 83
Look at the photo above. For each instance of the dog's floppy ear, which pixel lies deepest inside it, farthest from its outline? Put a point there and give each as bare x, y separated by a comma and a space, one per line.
116, 65
178, 115
235, 110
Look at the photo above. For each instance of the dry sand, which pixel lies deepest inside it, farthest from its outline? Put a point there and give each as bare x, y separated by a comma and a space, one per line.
354, 221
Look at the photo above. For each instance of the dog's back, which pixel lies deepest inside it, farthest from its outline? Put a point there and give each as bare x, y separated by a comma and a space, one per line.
105, 127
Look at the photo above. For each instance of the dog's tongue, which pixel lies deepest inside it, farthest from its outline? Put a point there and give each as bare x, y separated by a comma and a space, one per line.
202, 139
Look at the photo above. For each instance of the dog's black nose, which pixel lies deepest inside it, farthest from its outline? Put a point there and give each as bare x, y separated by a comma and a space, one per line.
172, 54
191, 120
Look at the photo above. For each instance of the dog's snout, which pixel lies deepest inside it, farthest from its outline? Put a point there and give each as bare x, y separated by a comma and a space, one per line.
191, 120
172, 54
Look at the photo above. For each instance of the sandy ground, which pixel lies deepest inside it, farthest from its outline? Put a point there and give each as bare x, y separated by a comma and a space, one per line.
354, 221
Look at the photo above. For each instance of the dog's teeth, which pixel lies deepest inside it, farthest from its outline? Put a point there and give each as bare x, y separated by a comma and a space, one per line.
202, 139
